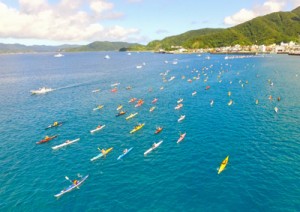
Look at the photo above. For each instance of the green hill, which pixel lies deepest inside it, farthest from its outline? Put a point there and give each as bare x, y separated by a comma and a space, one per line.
102, 46
272, 28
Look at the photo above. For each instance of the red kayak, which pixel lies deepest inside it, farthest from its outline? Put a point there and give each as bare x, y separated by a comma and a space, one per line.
207, 87
158, 130
46, 139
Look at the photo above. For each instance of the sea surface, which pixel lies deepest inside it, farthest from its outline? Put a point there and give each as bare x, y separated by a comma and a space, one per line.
263, 172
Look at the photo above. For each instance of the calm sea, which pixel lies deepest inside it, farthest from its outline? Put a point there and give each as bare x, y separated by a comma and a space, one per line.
263, 171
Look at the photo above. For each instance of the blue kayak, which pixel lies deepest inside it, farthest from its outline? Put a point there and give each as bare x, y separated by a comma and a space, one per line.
121, 156
71, 187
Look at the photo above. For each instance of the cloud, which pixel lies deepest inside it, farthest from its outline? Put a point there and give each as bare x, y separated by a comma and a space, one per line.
65, 21
258, 10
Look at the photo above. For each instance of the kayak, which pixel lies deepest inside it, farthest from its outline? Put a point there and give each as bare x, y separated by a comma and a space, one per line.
276, 109
179, 101
155, 145
212, 103
120, 107
54, 125
121, 113
152, 108
178, 106
46, 139
66, 143
121, 156
158, 130
136, 128
182, 136
132, 100
131, 116
140, 103
98, 128
230, 102
181, 118
194, 93
99, 107
223, 164
71, 187
154, 100
101, 154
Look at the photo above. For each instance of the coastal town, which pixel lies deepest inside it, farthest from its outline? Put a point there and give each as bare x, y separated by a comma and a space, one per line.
290, 48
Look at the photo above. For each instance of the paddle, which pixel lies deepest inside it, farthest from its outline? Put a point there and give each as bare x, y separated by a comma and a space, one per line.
67, 178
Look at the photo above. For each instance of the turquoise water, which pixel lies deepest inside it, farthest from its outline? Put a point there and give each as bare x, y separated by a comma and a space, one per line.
263, 171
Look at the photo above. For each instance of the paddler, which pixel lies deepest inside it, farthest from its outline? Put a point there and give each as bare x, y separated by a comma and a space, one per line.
55, 123
46, 137
125, 151
154, 145
75, 182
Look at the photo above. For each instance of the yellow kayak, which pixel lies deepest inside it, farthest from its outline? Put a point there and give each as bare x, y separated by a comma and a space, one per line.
102, 154
136, 128
223, 164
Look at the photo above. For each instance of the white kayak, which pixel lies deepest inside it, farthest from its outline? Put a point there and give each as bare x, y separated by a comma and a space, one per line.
66, 143
155, 145
71, 187
97, 128
181, 118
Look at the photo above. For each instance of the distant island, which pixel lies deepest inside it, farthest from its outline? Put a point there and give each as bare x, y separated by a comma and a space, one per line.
276, 32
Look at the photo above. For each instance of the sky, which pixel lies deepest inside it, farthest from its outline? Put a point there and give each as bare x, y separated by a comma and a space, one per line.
55, 22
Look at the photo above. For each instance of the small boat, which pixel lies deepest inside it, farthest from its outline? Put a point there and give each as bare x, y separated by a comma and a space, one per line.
42, 90
179, 101
72, 186
139, 103
66, 143
120, 113
98, 128
132, 100
229, 93
58, 55
46, 139
125, 152
119, 107
99, 107
154, 146
181, 118
178, 106
152, 108
173, 77
55, 124
103, 153
182, 136
194, 93
223, 164
154, 100
137, 127
162, 87
95, 91
256, 101
107, 57
230, 102
189, 80
139, 66
276, 109
114, 90
212, 103
158, 130
131, 116
115, 84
